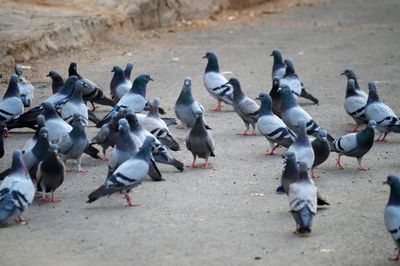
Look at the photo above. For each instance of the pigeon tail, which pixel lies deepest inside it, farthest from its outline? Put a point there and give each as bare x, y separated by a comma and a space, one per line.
7, 208
92, 117
5, 173
103, 100
101, 192
304, 219
92, 151
154, 173
308, 96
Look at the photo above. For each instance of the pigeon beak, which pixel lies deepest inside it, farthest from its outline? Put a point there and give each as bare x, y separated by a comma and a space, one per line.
48, 75
271, 54
204, 56
112, 70
151, 79
257, 98
385, 183
342, 74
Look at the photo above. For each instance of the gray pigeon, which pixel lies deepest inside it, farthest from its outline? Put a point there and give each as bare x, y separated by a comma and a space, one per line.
156, 126
278, 67
296, 86
292, 113
276, 97
355, 104
119, 85
91, 92
26, 88
50, 174
392, 212
16, 191
72, 145
186, 107
272, 127
135, 100
200, 142
124, 179
32, 141
302, 148
321, 149
57, 82
56, 126
349, 73
355, 144
215, 83
11, 106
128, 71
124, 148
246, 108
75, 105
303, 200
386, 120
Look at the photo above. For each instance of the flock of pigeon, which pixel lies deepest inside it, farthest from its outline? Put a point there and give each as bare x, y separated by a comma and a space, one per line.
140, 141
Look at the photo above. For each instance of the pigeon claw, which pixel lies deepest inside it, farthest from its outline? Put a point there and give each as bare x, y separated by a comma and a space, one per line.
273, 150
395, 257
21, 220
218, 107
338, 164
361, 168
130, 200
314, 175
179, 126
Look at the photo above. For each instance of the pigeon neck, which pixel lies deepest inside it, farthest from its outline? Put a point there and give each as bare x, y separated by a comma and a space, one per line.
41, 147
290, 69
78, 131
49, 113
153, 111
366, 137
237, 93
212, 65
303, 176
185, 96
290, 167
278, 62
352, 76
67, 89
288, 101
394, 198
350, 91
144, 152
57, 84
372, 96
117, 79
72, 72
139, 87
265, 108
302, 136
12, 90
125, 142
199, 128
76, 95
274, 90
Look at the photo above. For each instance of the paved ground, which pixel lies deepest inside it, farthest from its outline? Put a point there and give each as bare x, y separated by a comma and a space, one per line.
230, 215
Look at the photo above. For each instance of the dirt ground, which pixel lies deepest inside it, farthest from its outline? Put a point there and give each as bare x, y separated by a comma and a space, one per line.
229, 215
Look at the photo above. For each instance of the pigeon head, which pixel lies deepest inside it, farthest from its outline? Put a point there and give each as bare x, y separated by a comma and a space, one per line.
187, 82
322, 134
145, 151
40, 121
12, 90
123, 123
18, 69
128, 70
275, 82
117, 70
290, 156
199, 127
156, 102
77, 92
277, 56
44, 132
302, 137
289, 66
372, 95
73, 69
266, 103
212, 64
18, 164
237, 90
288, 100
140, 83
349, 73
372, 123
394, 183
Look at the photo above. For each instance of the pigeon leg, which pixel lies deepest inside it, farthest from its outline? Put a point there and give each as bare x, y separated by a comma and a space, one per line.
313, 174
21, 220
379, 138
396, 257
193, 165
206, 165
360, 167
129, 200
354, 129
53, 198
106, 158
93, 107
179, 126
218, 107
384, 137
338, 165
273, 150
6, 134
78, 166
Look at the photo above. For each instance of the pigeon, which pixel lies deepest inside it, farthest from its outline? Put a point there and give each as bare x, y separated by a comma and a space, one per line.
156, 126
128, 71
16, 191
276, 97
292, 113
302, 148
50, 174
26, 88
72, 145
57, 127
245, 107
123, 179
119, 85
296, 86
57, 82
349, 73
321, 150
11, 106
92, 92
124, 148
160, 152
200, 142
272, 127
303, 200
392, 212
3, 129
386, 120
215, 83
32, 141
75, 105
28, 119
135, 100
186, 107
355, 104
355, 144
278, 67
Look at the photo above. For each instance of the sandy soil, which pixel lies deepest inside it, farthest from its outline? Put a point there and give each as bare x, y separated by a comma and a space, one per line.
229, 215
